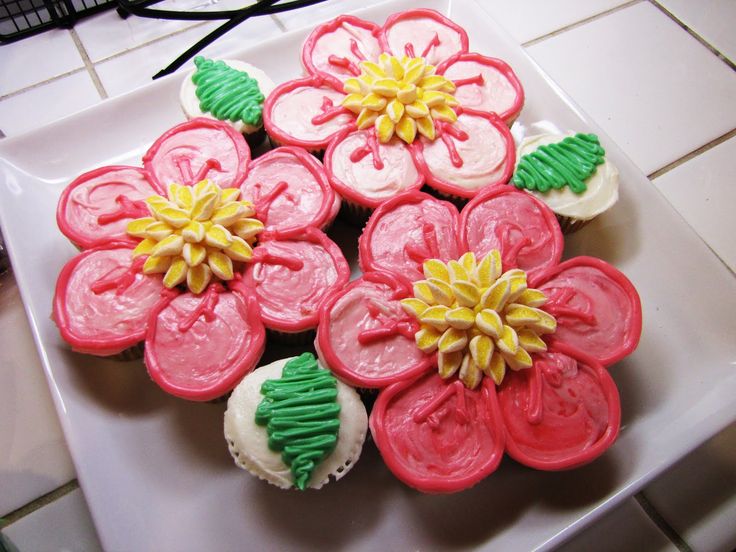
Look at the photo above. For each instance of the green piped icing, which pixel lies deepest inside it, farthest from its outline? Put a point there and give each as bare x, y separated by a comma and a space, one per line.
301, 415
226, 93
567, 163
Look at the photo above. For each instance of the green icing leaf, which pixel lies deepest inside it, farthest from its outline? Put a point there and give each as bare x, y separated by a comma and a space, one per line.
567, 163
226, 93
301, 415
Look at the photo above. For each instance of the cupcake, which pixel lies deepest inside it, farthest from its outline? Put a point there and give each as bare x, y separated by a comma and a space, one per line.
293, 424
570, 174
228, 90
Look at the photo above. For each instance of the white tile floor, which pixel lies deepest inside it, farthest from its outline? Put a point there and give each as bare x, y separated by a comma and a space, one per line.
638, 65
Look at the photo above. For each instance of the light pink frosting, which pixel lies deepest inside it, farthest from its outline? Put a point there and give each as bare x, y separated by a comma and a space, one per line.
293, 112
339, 43
419, 31
496, 93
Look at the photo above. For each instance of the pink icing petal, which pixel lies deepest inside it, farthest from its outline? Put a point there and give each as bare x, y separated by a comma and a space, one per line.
198, 149
368, 173
365, 337
102, 300
198, 347
475, 152
561, 413
335, 49
407, 230
436, 435
290, 191
423, 33
597, 308
97, 206
306, 112
520, 226
291, 277
485, 84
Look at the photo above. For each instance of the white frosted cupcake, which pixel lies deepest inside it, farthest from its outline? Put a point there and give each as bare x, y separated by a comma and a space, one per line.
228, 90
570, 174
293, 424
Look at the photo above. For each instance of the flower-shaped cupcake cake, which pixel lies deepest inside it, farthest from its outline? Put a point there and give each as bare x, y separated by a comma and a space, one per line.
170, 256
479, 339
399, 105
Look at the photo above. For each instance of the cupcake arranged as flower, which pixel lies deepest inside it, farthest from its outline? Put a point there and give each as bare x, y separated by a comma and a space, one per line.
384, 105
199, 272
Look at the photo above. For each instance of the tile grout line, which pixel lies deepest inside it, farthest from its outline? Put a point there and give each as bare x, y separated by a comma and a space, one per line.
38, 503
571, 26
693, 154
695, 35
661, 523
38, 84
88, 64
279, 23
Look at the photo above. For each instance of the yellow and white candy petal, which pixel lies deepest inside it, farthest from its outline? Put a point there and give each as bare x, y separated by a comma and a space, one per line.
144, 248
519, 315
173, 216
495, 296
452, 340
388, 88
156, 265
406, 129
183, 197
489, 322
228, 214
417, 109
352, 86
434, 82
200, 188
456, 272
461, 318
232, 194
435, 316
425, 127
545, 325
532, 298
198, 277
423, 292
221, 265
481, 348
239, 250
138, 227
441, 291
497, 368
413, 307
171, 190
204, 206
414, 71
193, 253
247, 228
508, 341
249, 208
155, 202
407, 94
449, 99
384, 128
395, 111
176, 273
486, 272
433, 98
218, 236
366, 118
373, 69
443, 113
193, 232
449, 363
519, 361
208, 186
427, 339
168, 247
469, 262
470, 374
518, 286
397, 69
466, 293
530, 341
353, 102
434, 268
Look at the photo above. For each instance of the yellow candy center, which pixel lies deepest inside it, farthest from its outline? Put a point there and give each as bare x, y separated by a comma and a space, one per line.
400, 96
480, 319
195, 233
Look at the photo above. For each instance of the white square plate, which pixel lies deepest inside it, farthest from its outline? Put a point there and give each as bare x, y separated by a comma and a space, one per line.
156, 471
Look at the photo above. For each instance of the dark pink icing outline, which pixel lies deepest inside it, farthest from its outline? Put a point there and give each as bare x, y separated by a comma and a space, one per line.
311, 235
324, 29
326, 213
502, 67
601, 445
323, 344
547, 214
634, 332
78, 238
350, 193
241, 147
438, 484
365, 256
421, 12
453, 189
315, 81
230, 375
90, 345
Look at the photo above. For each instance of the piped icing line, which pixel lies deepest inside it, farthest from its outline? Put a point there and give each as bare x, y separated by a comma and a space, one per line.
508, 115
329, 112
370, 147
327, 28
127, 209
121, 281
187, 171
205, 309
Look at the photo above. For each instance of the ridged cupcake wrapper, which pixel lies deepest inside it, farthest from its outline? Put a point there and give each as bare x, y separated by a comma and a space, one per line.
287, 338
255, 139
354, 213
570, 225
131, 353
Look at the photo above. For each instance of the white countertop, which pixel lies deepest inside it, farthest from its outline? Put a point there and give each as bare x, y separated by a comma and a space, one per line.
657, 76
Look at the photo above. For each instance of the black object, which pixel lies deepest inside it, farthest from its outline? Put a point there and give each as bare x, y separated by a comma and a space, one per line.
4, 261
